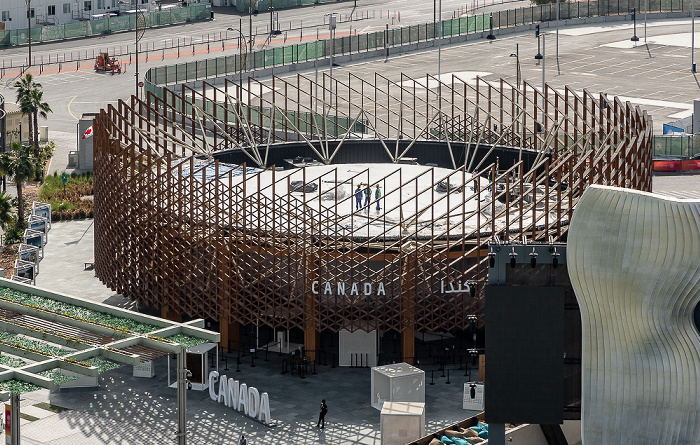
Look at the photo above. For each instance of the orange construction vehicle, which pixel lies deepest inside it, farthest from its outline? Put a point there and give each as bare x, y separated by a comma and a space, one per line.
105, 63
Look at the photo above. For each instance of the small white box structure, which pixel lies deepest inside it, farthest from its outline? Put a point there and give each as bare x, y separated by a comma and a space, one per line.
402, 422
145, 369
398, 382
357, 348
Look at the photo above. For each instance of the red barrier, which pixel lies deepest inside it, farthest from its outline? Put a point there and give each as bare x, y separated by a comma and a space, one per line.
693, 164
667, 166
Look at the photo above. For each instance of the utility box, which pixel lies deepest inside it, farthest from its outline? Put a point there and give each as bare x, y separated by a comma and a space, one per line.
398, 382
44, 133
402, 422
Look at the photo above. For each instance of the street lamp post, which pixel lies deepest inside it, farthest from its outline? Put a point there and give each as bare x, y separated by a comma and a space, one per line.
272, 31
557, 51
331, 28
692, 38
440, 41
516, 54
29, 25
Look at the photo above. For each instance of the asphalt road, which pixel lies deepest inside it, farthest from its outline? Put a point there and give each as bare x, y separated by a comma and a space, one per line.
372, 15
599, 58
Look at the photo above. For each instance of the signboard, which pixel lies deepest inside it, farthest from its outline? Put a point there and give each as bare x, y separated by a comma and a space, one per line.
64, 178
42, 210
35, 238
29, 253
141, 84
473, 398
240, 397
39, 224
24, 269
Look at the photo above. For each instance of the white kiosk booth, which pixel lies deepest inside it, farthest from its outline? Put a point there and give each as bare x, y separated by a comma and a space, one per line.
402, 422
197, 362
398, 382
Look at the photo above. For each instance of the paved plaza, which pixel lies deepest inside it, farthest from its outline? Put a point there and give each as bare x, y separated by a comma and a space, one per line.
132, 410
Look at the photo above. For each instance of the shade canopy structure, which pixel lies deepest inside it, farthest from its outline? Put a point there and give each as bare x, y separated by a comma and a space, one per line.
56, 332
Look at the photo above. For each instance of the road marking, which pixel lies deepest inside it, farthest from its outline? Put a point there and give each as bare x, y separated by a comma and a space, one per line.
69, 111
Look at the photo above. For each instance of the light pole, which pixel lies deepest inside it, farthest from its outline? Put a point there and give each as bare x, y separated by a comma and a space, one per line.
242, 45
645, 20
517, 76
516, 54
634, 20
331, 28
557, 51
692, 38
439, 42
272, 31
542, 58
29, 25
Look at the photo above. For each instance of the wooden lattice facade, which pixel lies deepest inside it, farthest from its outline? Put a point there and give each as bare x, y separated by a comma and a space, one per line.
179, 230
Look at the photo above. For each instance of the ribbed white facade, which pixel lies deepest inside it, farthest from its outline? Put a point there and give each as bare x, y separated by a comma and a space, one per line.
634, 262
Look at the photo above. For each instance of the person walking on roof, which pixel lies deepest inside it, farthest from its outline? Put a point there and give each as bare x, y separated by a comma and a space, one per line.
368, 195
358, 198
377, 196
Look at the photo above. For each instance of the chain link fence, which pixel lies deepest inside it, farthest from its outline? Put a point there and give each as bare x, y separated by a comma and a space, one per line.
104, 25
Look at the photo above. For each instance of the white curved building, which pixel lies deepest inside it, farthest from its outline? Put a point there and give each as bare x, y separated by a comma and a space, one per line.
634, 262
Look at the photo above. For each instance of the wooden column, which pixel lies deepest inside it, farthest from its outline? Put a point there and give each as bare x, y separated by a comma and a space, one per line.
408, 345
408, 308
312, 335
229, 335
170, 315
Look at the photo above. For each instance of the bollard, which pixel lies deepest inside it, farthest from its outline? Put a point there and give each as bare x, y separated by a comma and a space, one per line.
448, 377
325, 359
332, 360
314, 368
266, 347
252, 360
238, 364
432, 379
226, 360
284, 366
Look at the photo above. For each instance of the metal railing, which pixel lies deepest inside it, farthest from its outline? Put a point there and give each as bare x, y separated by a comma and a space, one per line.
395, 37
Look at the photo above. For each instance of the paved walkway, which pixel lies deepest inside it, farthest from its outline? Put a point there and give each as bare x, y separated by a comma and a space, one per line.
138, 411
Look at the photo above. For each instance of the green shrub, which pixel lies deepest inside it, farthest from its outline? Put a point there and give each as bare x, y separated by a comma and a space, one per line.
14, 233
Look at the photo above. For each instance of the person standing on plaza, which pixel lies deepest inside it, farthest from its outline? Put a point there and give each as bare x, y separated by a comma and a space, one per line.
358, 198
322, 415
377, 196
368, 195
242, 440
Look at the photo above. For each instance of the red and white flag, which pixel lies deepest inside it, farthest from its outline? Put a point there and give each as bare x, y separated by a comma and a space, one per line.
88, 132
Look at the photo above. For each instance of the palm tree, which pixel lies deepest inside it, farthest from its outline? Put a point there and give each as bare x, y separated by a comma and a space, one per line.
21, 166
7, 216
38, 108
25, 85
